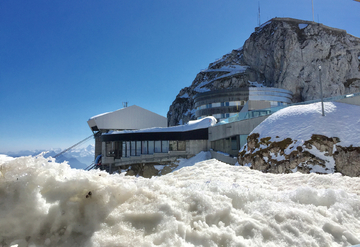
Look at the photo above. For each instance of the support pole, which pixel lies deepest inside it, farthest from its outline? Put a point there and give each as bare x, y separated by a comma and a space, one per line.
321, 93
312, 3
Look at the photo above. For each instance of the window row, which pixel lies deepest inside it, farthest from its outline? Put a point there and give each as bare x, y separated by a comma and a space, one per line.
221, 104
137, 148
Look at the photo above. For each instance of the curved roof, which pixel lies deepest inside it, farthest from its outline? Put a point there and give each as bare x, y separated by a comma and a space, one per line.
129, 118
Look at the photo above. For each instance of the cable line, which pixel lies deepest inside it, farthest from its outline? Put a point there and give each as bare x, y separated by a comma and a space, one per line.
64, 151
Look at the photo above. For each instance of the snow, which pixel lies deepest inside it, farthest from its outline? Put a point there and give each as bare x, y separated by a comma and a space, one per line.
231, 69
99, 115
5, 158
255, 84
44, 203
185, 95
302, 25
190, 162
191, 125
300, 122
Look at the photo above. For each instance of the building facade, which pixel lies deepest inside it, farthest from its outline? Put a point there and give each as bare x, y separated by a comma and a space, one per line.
226, 103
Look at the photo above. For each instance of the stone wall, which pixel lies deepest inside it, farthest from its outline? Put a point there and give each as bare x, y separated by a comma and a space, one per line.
320, 154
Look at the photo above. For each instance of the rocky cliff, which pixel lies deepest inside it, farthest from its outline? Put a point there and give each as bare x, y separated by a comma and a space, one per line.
284, 53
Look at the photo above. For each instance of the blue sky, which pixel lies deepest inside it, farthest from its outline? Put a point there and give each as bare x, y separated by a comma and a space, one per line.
62, 61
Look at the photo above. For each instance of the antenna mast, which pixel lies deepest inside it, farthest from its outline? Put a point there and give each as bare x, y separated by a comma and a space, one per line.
259, 14
312, 3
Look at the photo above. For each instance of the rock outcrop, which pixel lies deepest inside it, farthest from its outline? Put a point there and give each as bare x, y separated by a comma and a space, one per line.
320, 154
284, 53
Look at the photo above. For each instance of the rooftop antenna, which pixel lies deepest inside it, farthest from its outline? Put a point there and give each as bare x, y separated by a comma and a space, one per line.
259, 14
312, 3
125, 104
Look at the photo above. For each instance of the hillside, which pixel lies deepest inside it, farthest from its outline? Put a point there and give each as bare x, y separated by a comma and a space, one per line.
283, 53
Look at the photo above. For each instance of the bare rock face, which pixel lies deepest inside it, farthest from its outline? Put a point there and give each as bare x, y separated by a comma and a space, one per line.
284, 53
288, 52
320, 154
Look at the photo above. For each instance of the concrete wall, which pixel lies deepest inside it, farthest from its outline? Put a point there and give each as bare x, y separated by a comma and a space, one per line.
223, 158
352, 101
194, 147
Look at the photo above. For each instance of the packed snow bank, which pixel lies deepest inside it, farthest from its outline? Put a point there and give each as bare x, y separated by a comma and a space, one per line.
191, 125
44, 203
191, 161
302, 121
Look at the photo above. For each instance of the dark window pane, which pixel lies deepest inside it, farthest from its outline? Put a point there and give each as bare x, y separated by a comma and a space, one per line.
151, 147
144, 149
165, 146
138, 148
133, 150
157, 146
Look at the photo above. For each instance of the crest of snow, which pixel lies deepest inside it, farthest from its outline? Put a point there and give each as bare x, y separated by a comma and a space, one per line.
300, 122
262, 26
231, 69
193, 160
99, 115
5, 158
302, 25
191, 125
159, 167
45, 203
255, 84
191, 112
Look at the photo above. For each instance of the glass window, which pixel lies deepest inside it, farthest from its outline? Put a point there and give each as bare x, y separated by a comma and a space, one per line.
127, 149
132, 148
157, 147
234, 142
138, 148
151, 147
144, 147
243, 140
165, 146
124, 149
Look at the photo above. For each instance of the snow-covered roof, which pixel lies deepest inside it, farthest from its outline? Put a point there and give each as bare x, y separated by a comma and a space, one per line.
191, 125
132, 117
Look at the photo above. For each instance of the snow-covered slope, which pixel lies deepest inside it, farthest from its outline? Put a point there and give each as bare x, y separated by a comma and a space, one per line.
299, 138
44, 203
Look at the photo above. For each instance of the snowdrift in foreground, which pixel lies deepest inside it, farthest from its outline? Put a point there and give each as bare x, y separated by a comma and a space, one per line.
44, 203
